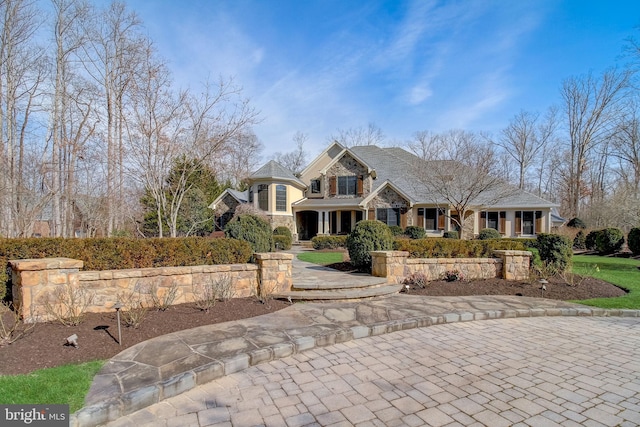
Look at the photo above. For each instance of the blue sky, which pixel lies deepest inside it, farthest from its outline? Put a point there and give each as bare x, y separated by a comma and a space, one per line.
406, 66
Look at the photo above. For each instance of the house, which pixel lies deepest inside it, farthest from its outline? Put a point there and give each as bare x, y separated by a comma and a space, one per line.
345, 185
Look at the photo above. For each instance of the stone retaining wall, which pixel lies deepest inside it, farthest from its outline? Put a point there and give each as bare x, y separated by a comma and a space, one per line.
396, 266
36, 280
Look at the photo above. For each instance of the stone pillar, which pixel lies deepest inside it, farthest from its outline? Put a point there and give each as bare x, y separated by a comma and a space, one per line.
515, 264
34, 278
389, 264
274, 272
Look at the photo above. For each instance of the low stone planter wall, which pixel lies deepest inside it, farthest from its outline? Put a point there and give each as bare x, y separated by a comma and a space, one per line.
35, 280
396, 266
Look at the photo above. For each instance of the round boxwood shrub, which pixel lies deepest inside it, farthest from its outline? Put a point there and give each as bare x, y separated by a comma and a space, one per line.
576, 223
633, 240
368, 236
489, 233
396, 230
450, 234
282, 238
590, 240
609, 240
580, 241
415, 232
555, 251
253, 229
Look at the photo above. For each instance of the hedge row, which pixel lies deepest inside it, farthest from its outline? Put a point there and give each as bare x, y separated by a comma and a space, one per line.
123, 253
329, 242
433, 247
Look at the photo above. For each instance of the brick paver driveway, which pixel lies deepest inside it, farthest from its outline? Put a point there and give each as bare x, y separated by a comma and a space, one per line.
546, 371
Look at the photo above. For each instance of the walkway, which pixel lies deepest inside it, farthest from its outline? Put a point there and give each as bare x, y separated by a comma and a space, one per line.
154, 376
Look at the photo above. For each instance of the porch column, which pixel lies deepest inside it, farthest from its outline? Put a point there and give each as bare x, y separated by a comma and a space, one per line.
320, 222
325, 223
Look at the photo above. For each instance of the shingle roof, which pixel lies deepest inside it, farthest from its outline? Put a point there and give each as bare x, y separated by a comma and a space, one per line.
395, 165
274, 170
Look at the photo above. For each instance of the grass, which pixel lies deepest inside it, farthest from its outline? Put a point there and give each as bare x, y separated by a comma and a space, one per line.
622, 272
322, 258
68, 384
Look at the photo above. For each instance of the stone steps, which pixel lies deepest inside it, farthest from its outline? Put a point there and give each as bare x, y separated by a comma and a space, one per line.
346, 292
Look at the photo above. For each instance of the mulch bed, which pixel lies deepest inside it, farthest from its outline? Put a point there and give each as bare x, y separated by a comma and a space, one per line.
44, 345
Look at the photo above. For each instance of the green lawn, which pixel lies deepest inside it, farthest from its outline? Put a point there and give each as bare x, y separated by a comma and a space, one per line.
619, 271
321, 258
67, 384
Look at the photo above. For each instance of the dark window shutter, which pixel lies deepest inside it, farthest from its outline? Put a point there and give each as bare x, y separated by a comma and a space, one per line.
502, 224
372, 214
332, 186
441, 218
538, 222
360, 185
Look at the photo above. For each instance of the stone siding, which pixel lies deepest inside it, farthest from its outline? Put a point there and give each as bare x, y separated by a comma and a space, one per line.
347, 166
396, 266
35, 280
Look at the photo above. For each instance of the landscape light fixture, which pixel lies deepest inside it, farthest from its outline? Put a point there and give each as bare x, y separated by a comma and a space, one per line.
118, 306
543, 287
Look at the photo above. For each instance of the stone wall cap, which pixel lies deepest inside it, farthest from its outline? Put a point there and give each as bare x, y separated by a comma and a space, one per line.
512, 252
390, 253
273, 255
45, 264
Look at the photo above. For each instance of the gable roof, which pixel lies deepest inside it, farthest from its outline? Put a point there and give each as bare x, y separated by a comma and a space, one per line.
240, 196
274, 170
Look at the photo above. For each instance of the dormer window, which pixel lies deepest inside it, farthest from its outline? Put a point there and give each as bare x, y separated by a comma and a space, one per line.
315, 186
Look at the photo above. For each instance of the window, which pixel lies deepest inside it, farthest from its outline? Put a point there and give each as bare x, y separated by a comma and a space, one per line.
315, 186
263, 197
347, 185
281, 198
528, 222
390, 216
431, 218
495, 220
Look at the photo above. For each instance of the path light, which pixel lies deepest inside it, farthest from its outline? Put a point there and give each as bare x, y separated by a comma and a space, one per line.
118, 306
543, 287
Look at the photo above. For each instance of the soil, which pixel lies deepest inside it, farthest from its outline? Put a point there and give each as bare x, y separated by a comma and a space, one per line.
43, 346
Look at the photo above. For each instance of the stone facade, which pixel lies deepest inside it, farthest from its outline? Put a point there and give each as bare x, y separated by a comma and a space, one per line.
34, 280
396, 266
389, 198
347, 165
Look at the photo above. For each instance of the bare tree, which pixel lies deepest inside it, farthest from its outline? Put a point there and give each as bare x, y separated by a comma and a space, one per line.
590, 106
466, 180
525, 138
239, 158
427, 145
295, 160
370, 135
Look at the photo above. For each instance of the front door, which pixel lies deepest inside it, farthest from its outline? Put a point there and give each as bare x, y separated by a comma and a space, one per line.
345, 222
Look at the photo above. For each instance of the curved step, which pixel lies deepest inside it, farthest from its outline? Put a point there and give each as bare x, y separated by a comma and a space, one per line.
340, 294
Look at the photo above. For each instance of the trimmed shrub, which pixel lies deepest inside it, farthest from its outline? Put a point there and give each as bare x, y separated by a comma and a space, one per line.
282, 238
125, 253
436, 247
590, 240
415, 232
576, 223
633, 240
252, 229
329, 242
609, 240
555, 251
396, 230
368, 236
489, 233
580, 241
450, 235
